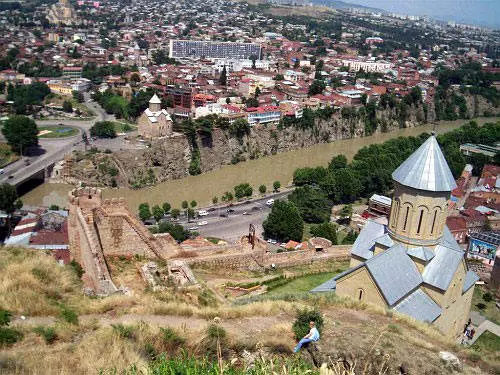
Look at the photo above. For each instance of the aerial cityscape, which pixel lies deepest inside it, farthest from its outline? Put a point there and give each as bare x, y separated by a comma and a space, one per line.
249, 187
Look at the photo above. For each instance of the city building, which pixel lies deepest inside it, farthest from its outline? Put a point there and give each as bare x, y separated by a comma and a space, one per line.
180, 96
155, 122
413, 265
213, 50
470, 149
269, 114
367, 66
484, 245
72, 72
62, 13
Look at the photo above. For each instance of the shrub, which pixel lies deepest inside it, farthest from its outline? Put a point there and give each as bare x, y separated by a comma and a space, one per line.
41, 274
171, 339
301, 325
481, 306
9, 336
68, 315
54, 207
126, 332
77, 268
103, 129
487, 297
5, 317
48, 333
262, 189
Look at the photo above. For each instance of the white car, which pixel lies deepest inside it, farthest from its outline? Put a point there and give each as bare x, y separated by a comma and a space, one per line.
193, 228
201, 223
202, 213
2, 171
270, 202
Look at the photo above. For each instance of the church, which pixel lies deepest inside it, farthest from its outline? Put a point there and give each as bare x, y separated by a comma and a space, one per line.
62, 13
413, 264
155, 122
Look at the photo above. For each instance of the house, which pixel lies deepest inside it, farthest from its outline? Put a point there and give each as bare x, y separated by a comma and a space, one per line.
458, 227
155, 122
413, 265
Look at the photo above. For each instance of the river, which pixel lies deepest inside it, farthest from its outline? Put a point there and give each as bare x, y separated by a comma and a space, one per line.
260, 171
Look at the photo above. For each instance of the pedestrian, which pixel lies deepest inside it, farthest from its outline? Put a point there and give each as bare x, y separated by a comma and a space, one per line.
312, 336
467, 325
466, 335
472, 333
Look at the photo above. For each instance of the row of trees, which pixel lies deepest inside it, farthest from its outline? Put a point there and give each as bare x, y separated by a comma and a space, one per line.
27, 96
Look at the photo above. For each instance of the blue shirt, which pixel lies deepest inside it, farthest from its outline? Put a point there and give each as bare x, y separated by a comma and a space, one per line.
314, 334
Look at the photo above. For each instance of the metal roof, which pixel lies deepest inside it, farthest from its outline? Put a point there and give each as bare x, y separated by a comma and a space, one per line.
419, 306
363, 246
492, 237
385, 240
449, 240
394, 273
441, 269
327, 286
155, 99
423, 253
469, 281
426, 169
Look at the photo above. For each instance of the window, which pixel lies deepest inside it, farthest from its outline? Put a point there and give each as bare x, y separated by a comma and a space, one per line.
419, 227
395, 213
360, 294
434, 221
406, 217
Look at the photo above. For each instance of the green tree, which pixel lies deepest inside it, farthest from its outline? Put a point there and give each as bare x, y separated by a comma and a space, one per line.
67, 106
342, 185
276, 185
346, 211
316, 87
20, 132
103, 129
239, 128
193, 204
215, 200
313, 204
301, 325
175, 213
325, 230
223, 77
8, 197
350, 238
337, 162
190, 213
78, 96
157, 212
284, 222
184, 205
262, 189
176, 231
166, 207
243, 190
144, 211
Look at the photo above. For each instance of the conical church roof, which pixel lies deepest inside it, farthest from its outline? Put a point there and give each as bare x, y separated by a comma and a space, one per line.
155, 99
426, 169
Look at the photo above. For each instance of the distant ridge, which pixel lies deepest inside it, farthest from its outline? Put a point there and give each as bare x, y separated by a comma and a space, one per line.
339, 4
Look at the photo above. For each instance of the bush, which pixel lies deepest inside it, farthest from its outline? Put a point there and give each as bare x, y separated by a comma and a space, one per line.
125, 332
54, 207
481, 306
9, 336
68, 315
5, 317
77, 268
301, 325
48, 333
262, 189
487, 297
103, 129
171, 339
243, 190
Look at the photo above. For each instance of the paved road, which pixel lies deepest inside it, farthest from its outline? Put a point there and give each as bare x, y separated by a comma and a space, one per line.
237, 223
51, 150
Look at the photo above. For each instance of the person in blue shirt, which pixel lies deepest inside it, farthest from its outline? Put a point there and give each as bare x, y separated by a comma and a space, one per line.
312, 336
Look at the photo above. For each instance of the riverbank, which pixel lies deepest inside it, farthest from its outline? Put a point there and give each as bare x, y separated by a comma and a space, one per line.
256, 172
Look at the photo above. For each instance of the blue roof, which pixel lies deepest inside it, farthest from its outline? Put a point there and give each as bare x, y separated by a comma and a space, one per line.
426, 169
441, 269
419, 306
423, 253
363, 246
394, 273
469, 281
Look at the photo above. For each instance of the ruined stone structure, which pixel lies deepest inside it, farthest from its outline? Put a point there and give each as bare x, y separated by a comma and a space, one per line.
101, 228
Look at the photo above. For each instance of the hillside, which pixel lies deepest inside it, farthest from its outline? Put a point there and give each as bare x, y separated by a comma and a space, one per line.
66, 332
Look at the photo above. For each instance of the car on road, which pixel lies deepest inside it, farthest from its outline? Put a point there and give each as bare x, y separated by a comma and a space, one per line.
283, 244
223, 215
247, 213
269, 240
202, 213
256, 208
230, 210
2, 171
200, 223
11, 176
274, 242
270, 202
193, 228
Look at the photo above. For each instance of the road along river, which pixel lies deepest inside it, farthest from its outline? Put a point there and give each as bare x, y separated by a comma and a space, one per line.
260, 171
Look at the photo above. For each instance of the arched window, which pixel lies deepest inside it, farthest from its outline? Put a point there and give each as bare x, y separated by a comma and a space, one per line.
395, 213
434, 220
407, 213
420, 218
361, 293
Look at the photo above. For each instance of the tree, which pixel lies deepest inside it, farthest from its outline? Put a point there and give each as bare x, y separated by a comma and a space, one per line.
339, 161
316, 87
166, 207
346, 211
54, 207
78, 96
262, 189
67, 106
175, 213
243, 190
284, 222
20, 132
251, 103
157, 212
276, 185
223, 77
176, 231
313, 204
350, 238
103, 129
184, 205
144, 211
239, 128
215, 200
190, 213
8, 197
193, 204
325, 230
342, 185
254, 59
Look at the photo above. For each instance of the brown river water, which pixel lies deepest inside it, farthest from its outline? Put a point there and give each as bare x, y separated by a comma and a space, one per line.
256, 172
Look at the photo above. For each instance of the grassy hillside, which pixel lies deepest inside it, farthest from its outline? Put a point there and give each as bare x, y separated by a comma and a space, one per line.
67, 333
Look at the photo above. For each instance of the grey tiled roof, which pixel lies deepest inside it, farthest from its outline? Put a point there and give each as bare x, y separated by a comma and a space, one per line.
426, 169
363, 246
449, 240
327, 286
419, 306
440, 270
394, 273
470, 279
385, 240
423, 253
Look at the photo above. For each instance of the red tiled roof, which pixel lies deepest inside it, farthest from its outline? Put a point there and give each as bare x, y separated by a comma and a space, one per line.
456, 223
